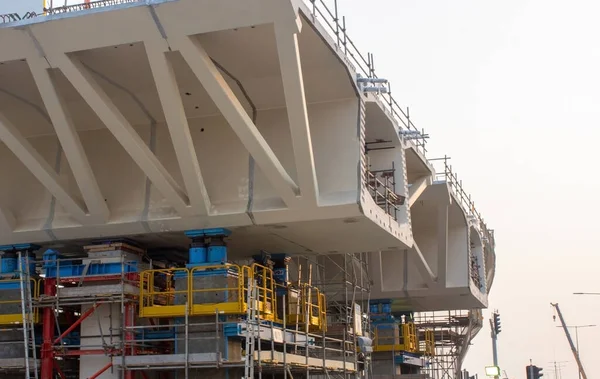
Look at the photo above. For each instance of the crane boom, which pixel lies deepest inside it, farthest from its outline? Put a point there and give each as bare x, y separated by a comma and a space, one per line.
573, 349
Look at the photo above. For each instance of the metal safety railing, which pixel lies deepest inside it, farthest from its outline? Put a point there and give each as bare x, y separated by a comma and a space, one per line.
227, 292
394, 337
428, 343
51, 9
449, 176
10, 309
158, 296
365, 66
310, 306
409, 331
265, 291
165, 292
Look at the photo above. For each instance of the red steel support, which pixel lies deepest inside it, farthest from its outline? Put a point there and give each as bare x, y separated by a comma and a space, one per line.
101, 371
85, 315
48, 332
129, 337
59, 371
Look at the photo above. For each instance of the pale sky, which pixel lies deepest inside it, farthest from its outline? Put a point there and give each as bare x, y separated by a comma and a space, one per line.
510, 90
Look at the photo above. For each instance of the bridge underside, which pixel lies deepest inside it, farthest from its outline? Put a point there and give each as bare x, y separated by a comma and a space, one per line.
147, 120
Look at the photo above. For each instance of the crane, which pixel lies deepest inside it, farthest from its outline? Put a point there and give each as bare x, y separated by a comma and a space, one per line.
573, 349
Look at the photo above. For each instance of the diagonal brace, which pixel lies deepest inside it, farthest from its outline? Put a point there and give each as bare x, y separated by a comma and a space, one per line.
40, 168
69, 139
293, 86
216, 86
179, 129
422, 265
124, 133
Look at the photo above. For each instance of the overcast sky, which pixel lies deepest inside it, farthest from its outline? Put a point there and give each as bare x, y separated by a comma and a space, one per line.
510, 90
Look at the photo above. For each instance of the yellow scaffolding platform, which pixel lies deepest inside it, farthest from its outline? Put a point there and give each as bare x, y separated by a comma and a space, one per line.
163, 295
17, 318
406, 341
173, 292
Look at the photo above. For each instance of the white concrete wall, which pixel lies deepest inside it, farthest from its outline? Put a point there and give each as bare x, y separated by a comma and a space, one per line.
334, 128
458, 248
110, 317
392, 265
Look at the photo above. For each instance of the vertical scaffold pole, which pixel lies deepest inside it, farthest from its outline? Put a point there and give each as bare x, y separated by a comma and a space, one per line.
22, 285
31, 318
187, 340
285, 334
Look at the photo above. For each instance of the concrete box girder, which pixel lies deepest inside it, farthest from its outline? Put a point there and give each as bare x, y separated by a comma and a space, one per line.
186, 114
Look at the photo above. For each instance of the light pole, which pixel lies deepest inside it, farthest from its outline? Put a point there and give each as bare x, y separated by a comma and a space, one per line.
577, 336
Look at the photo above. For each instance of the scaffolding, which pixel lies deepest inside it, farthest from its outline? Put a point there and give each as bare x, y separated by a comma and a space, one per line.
344, 279
288, 347
72, 292
453, 332
381, 184
19, 287
76, 290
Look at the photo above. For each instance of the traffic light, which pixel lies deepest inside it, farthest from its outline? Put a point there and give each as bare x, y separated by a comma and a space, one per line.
534, 372
497, 326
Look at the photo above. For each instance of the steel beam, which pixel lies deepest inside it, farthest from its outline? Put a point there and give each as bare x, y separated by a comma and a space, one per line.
47, 369
216, 86
172, 105
83, 81
59, 371
40, 168
73, 326
129, 315
69, 140
101, 371
293, 86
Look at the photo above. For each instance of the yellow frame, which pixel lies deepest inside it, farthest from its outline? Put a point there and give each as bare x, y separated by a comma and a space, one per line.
160, 303
266, 302
17, 318
409, 336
